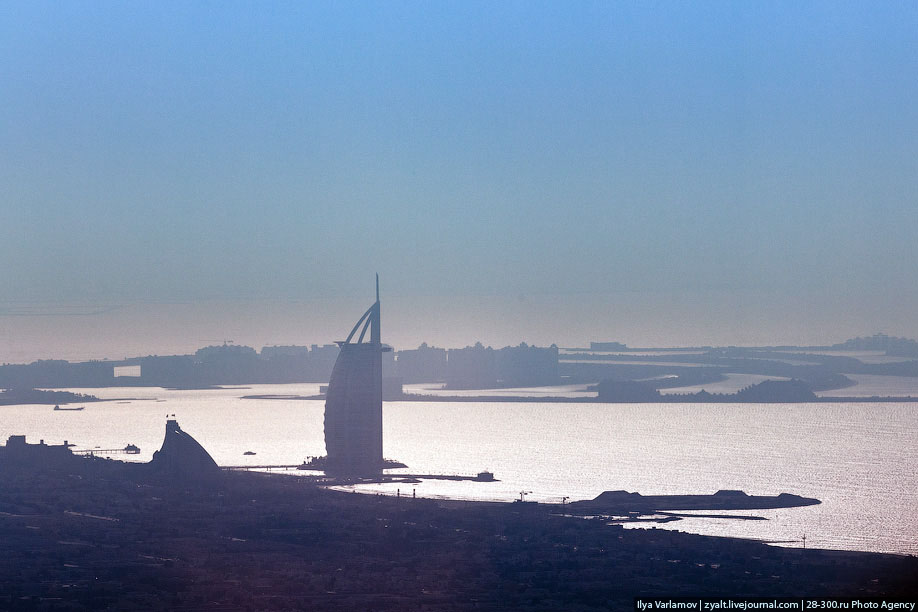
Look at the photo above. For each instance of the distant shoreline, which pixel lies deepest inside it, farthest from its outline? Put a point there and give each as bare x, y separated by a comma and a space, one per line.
13, 397
410, 397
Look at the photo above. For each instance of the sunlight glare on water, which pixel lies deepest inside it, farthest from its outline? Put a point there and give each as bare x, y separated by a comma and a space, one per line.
858, 458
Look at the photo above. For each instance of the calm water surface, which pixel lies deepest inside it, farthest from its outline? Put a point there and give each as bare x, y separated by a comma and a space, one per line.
859, 459
870, 385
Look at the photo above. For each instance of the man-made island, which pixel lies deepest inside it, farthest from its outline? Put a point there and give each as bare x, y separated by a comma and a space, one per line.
11, 397
631, 392
614, 372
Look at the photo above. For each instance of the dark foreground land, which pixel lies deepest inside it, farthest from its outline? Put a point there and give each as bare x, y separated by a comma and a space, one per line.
93, 539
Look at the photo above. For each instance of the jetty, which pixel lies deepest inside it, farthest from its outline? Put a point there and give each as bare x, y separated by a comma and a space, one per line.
130, 449
484, 476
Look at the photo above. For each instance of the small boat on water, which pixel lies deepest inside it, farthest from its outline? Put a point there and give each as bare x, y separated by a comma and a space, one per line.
57, 407
248, 453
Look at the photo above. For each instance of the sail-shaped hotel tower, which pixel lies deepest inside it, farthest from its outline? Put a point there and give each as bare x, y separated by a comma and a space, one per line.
353, 403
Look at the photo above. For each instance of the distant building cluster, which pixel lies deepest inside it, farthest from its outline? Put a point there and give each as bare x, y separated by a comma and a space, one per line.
211, 365
471, 367
477, 367
891, 345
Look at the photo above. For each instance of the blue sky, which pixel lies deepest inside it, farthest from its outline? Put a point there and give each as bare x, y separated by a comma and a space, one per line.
653, 172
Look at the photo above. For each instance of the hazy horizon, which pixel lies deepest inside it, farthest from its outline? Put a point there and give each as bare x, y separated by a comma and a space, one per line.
175, 175
94, 332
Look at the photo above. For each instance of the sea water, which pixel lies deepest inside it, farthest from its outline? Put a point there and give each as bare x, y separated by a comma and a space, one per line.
858, 458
